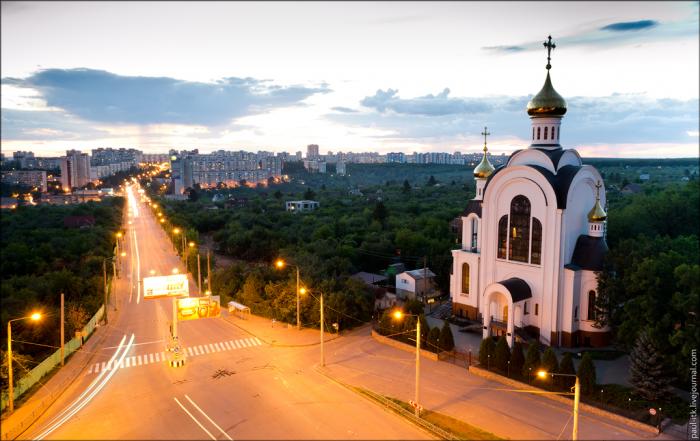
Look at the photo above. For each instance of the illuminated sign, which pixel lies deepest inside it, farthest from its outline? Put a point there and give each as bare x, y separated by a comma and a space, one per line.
165, 286
193, 308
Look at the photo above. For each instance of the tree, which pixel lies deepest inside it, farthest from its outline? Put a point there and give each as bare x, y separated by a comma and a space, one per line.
386, 323
647, 371
566, 367
424, 329
501, 355
413, 306
380, 213
549, 361
517, 359
486, 350
277, 194
434, 339
447, 340
254, 285
532, 360
309, 194
586, 374
406, 186
76, 318
432, 181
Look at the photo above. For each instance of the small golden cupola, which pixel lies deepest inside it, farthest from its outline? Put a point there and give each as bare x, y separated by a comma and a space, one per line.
597, 216
484, 169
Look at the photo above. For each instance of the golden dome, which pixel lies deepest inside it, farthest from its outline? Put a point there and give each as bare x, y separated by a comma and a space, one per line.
547, 102
597, 214
484, 169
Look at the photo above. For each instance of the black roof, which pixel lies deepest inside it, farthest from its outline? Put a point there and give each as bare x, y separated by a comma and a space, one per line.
473, 206
560, 182
554, 155
589, 252
518, 288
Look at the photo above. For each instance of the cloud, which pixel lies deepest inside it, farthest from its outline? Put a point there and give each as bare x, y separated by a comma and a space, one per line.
45, 125
630, 26
343, 109
507, 49
430, 105
100, 96
618, 118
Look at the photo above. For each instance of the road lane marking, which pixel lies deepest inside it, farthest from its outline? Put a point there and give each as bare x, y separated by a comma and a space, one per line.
228, 348
238, 345
196, 350
207, 417
190, 351
258, 340
90, 370
157, 357
212, 348
194, 419
150, 356
220, 348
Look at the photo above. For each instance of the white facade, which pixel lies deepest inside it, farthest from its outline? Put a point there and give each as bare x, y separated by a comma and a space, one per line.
300, 206
531, 242
418, 282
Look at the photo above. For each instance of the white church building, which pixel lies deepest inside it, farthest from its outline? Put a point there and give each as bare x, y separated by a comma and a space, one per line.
533, 238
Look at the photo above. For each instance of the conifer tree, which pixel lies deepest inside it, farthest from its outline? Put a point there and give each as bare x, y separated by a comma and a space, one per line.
486, 349
501, 355
549, 361
647, 371
532, 360
566, 367
433, 339
447, 340
517, 359
586, 374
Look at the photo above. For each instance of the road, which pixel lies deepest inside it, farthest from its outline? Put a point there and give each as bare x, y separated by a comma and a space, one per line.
232, 386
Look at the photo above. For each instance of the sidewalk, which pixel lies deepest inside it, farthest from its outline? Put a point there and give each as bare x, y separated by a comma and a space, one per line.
277, 333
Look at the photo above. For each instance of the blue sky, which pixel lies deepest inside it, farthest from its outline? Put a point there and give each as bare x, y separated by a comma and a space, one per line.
349, 76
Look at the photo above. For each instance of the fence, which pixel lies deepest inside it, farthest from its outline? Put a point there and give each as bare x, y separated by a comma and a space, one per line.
46, 366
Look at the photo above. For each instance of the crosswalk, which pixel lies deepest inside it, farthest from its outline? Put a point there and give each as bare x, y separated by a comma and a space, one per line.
192, 351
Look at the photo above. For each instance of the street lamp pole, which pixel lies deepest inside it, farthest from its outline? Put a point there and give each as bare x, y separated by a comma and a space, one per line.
417, 365
11, 387
577, 398
323, 355
63, 339
298, 301
104, 273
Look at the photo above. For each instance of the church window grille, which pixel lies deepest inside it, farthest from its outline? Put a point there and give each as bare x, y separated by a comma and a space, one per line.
525, 311
537, 308
519, 229
538, 133
536, 248
546, 132
465, 278
502, 237
554, 130
591, 305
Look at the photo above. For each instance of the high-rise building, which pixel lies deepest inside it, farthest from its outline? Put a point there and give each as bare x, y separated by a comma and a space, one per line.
29, 178
75, 169
312, 151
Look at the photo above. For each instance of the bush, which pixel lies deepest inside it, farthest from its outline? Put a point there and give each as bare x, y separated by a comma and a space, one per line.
434, 339
648, 374
586, 374
532, 360
517, 359
385, 323
566, 367
549, 361
501, 354
486, 349
447, 340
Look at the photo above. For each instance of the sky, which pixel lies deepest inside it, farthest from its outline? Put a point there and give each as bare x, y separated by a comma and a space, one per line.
349, 76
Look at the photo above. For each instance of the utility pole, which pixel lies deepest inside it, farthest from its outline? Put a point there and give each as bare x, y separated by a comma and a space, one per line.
11, 391
425, 280
174, 318
199, 274
209, 271
323, 356
104, 273
63, 339
577, 396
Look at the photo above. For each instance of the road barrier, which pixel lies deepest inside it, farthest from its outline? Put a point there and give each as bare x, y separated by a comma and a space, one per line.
46, 366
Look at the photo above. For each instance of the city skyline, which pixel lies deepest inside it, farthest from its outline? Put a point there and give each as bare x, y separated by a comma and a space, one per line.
347, 76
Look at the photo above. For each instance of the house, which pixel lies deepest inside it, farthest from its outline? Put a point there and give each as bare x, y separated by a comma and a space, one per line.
631, 189
79, 221
369, 279
301, 206
415, 284
644, 177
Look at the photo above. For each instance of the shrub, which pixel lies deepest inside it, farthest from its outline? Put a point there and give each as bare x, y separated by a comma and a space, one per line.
586, 374
447, 340
647, 371
517, 359
434, 339
566, 367
501, 354
486, 349
549, 361
532, 360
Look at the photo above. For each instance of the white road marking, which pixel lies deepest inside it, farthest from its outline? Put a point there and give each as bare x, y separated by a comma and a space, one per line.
190, 351
220, 348
226, 345
91, 368
238, 345
139, 360
127, 362
258, 340
196, 350
104, 364
157, 356
150, 356
194, 419
212, 348
207, 417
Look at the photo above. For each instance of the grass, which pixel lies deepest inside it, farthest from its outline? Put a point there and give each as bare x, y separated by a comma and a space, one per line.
458, 428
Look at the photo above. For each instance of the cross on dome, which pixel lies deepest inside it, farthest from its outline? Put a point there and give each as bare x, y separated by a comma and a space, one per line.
485, 133
549, 45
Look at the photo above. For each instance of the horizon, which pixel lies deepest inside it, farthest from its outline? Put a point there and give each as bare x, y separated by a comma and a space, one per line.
351, 77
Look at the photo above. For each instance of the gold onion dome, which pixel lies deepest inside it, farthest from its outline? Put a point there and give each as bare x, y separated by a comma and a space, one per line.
547, 102
597, 214
484, 169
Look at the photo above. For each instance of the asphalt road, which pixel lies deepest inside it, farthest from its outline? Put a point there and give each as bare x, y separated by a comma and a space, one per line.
232, 386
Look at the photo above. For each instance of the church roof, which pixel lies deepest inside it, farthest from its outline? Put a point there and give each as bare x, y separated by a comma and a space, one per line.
589, 252
473, 206
547, 102
518, 289
553, 155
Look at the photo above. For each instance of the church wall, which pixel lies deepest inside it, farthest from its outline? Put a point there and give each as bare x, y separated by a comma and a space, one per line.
460, 300
570, 301
570, 157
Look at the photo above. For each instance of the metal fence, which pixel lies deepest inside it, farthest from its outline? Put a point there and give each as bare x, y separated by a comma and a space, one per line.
46, 366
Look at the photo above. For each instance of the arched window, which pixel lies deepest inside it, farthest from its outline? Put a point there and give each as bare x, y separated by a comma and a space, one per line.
554, 130
533, 133
538, 133
519, 229
465, 278
591, 305
536, 248
546, 130
502, 236
474, 233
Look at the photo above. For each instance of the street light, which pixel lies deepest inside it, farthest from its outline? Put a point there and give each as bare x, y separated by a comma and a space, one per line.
577, 395
281, 264
36, 316
399, 315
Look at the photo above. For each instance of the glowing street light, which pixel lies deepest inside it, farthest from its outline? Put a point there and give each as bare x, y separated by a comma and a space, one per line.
399, 315
152, 272
175, 270
281, 264
35, 317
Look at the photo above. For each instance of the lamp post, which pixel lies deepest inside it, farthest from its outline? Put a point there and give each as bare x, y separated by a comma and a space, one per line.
11, 392
577, 396
104, 274
398, 314
281, 264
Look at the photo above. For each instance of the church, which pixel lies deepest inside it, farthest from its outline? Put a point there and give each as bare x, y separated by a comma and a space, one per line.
533, 238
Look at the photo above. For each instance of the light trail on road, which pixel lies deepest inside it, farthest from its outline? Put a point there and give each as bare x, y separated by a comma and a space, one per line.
93, 389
